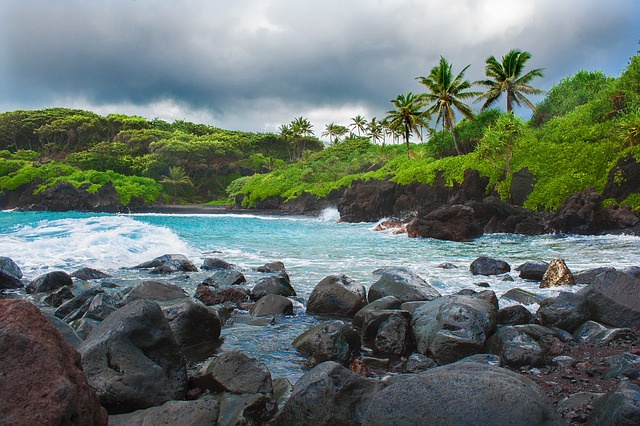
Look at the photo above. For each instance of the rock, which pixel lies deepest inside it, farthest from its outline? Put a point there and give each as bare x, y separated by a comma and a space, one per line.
210, 295
581, 401
601, 335
614, 299
454, 222
193, 324
374, 319
387, 302
89, 274
522, 345
67, 332
533, 270
101, 306
446, 265
132, 359
168, 263
337, 295
224, 278
417, 363
633, 271
50, 282
211, 263
587, 276
487, 266
76, 304
42, 380
59, 296
557, 274
452, 327
521, 296
623, 365
272, 268
459, 394
566, 311
200, 412
273, 284
246, 409
564, 361
367, 201
328, 341
404, 284
580, 213
522, 183
329, 394
234, 372
154, 290
10, 274
619, 406
515, 315
393, 336
272, 304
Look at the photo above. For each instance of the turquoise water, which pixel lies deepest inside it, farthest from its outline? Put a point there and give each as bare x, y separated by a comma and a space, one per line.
311, 248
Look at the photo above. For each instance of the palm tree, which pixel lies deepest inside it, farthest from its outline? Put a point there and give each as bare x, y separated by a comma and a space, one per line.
407, 116
359, 124
446, 94
333, 132
507, 77
376, 131
176, 177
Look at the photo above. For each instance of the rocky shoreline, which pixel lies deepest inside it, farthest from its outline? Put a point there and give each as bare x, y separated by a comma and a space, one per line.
77, 349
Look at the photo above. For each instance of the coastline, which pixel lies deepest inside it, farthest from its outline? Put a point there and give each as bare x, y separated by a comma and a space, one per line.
209, 209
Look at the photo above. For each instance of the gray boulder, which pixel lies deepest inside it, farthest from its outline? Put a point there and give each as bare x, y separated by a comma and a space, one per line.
615, 299
453, 327
58, 297
329, 394
488, 266
393, 337
467, 393
600, 335
521, 296
587, 276
89, 274
276, 267
533, 270
132, 359
192, 323
328, 341
337, 295
387, 302
214, 295
403, 284
620, 406
225, 278
10, 274
522, 345
273, 284
566, 311
272, 304
49, 282
212, 263
154, 290
234, 372
101, 306
168, 263
68, 308
200, 412
515, 315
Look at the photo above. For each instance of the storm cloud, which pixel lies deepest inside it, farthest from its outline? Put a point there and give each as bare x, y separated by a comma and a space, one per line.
255, 64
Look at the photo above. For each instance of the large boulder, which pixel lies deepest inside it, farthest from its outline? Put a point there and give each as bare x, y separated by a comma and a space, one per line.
234, 372
168, 263
615, 299
460, 394
200, 412
272, 304
452, 327
328, 341
337, 295
225, 277
49, 282
515, 315
328, 395
10, 274
214, 295
557, 274
619, 406
587, 276
154, 290
192, 323
273, 284
393, 336
522, 345
488, 266
132, 359
89, 274
387, 302
566, 311
404, 284
42, 380
213, 263
532, 270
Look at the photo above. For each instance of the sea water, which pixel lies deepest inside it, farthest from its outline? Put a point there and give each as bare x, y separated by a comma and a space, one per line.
310, 247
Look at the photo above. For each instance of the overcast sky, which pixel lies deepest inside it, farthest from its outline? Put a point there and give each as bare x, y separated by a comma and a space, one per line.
256, 64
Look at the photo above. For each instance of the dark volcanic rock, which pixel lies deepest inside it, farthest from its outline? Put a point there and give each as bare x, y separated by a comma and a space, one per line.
567, 311
387, 302
168, 263
328, 341
404, 284
272, 304
89, 274
533, 270
192, 323
614, 299
10, 274
523, 345
225, 278
620, 406
155, 290
273, 284
200, 412
235, 372
487, 266
337, 295
211, 295
367, 201
449, 222
587, 276
49, 282
42, 380
212, 263
515, 315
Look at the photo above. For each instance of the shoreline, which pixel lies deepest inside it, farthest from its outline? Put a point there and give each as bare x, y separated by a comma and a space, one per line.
209, 209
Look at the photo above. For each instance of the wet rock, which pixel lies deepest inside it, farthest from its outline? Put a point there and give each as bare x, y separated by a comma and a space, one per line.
452, 327
329, 394
168, 263
245, 409
393, 337
533, 270
387, 302
328, 341
224, 278
214, 295
337, 295
403, 284
273, 284
446, 265
450, 222
614, 299
587, 276
482, 394
154, 290
10, 274
193, 324
132, 359
212, 263
272, 304
42, 379
487, 266
59, 296
522, 345
599, 334
521, 296
557, 274
515, 315
566, 311
199, 412
272, 268
367, 201
50, 282
67, 332
89, 274
75, 305
101, 306
620, 406
234, 372
374, 319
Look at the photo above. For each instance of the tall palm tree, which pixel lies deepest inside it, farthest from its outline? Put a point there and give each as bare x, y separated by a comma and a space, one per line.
333, 132
375, 131
446, 94
507, 76
407, 116
359, 124
176, 177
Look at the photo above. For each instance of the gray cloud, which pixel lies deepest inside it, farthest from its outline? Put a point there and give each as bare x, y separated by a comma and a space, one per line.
253, 64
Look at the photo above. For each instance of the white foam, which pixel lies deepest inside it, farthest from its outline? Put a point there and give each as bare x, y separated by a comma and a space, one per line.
330, 214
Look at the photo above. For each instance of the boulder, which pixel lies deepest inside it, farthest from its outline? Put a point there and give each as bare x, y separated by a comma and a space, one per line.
337, 295
533, 270
487, 266
566, 311
393, 337
522, 183
234, 372
374, 319
272, 304
450, 222
587, 276
168, 263
154, 290
212, 263
515, 315
192, 323
200, 412
101, 306
245, 409
276, 267
328, 395
328, 341
460, 394
615, 299
273, 284
212, 295
132, 359
49, 282
601, 335
520, 296
619, 406
557, 274
225, 277
42, 379
387, 302
367, 201
59, 296
404, 284
522, 345
73, 308
67, 332
452, 327
89, 274
10, 274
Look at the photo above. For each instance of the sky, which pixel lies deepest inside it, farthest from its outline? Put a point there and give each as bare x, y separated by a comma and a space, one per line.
254, 65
